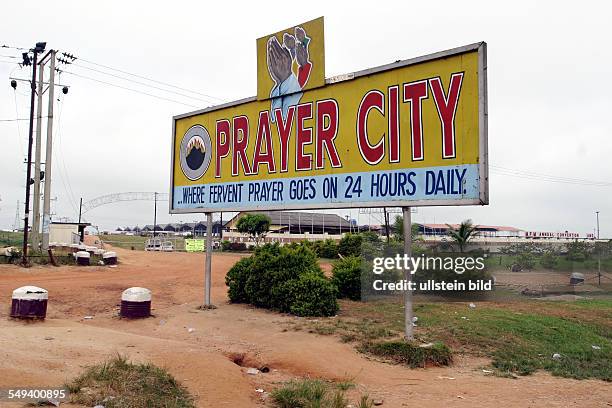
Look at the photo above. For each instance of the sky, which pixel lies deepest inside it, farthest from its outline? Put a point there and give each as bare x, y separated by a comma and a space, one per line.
548, 81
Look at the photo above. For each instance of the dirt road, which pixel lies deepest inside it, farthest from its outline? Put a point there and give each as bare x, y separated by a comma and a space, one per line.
50, 352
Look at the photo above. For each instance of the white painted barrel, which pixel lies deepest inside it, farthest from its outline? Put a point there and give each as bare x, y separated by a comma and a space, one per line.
82, 257
136, 303
109, 258
576, 278
29, 302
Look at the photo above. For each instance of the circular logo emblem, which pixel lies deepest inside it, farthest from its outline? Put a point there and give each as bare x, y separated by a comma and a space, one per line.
196, 150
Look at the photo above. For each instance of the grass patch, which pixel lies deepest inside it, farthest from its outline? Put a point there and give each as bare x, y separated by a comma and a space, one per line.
11, 239
412, 355
520, 337
312, 393
118, 383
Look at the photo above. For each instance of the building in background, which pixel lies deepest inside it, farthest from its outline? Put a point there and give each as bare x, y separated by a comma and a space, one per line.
67, 232
295, 222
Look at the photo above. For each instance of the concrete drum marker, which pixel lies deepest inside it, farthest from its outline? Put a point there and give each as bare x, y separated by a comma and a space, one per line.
136, 303
109, 258
29, 302
82, 258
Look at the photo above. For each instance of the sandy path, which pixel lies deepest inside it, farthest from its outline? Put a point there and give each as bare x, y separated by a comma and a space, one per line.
200, 358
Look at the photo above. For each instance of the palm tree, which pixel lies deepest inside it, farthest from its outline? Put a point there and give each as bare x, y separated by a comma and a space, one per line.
463, 234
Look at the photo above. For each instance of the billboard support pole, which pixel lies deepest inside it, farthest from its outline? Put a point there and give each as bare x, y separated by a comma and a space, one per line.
207, 271
408, 328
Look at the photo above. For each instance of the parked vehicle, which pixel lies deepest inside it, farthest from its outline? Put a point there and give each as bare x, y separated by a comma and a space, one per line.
156, 244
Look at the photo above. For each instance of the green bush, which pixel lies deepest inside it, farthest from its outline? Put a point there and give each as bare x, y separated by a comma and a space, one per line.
578, 251
406, 353
346, 276
327, 248
236, 280
225, 245
238, 246
311, 294
526, 260
549, 260
350, 245
287, 279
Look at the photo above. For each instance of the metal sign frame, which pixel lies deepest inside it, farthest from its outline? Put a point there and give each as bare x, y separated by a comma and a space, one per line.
483, 169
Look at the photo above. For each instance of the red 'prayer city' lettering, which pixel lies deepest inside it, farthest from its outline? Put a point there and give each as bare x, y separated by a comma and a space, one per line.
233, 136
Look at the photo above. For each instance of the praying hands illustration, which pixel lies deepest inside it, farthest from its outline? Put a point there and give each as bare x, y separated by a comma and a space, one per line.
288, 85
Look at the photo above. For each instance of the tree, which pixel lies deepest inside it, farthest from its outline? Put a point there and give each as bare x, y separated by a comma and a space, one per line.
398, 227
463, 234
256, 225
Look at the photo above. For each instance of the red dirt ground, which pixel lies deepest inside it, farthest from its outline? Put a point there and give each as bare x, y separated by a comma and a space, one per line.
49, 353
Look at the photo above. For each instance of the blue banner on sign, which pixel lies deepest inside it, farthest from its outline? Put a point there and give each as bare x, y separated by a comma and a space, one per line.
435, 183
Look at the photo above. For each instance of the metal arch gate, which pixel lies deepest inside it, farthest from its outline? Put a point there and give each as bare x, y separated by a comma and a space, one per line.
118, 197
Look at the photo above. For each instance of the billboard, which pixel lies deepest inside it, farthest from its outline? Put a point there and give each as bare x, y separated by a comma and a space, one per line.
410, 133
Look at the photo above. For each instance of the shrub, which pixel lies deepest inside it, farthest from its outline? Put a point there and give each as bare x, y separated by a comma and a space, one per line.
578, 251
120, 383
406, 353
549, 260
287, 279
310, 294
237, 246
350, 245
327, 249
347, 277
225, 245
312, 393
236, 280
526, 260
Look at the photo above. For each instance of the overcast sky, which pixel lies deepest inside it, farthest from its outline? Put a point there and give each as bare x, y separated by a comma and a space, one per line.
550, 99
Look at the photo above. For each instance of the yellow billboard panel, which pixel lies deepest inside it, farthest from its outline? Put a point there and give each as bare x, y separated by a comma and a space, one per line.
411, 133
290, 62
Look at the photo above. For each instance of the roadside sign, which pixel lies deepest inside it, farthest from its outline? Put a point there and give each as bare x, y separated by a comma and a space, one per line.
410, 133
195, 245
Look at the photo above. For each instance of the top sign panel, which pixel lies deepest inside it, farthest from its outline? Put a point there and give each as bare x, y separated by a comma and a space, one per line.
411, 133
290, 62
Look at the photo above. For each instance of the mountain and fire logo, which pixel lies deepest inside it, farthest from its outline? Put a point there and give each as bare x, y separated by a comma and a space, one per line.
196, 152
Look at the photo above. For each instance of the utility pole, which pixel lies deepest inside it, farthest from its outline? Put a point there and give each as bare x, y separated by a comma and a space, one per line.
386, 223
46, 223
26, 219
155, 217
408, 314
598, 252
80, 209
36, 198
17, 222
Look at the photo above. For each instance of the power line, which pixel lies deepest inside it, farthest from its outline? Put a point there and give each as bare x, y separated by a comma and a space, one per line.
14, 48
17, 122
150, 79
129, 89
62, 169
143, 84
527, 175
